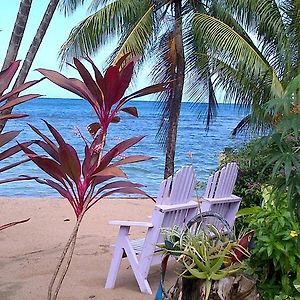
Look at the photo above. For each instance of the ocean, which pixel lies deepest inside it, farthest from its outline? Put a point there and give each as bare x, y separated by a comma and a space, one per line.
71, 115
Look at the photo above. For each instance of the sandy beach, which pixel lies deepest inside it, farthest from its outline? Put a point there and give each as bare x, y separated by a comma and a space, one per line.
29, 252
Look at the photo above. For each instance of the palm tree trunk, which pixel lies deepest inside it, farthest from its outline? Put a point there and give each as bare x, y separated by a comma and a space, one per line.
18, 32
33, 49
178, 92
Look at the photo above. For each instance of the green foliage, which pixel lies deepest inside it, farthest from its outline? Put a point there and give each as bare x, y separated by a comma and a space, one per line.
207, 254
282, 147
251, 160
275, 260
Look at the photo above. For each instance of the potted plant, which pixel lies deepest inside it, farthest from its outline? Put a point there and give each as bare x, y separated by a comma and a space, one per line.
210, 262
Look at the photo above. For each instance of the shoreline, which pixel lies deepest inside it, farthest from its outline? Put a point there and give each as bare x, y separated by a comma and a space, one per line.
29, 251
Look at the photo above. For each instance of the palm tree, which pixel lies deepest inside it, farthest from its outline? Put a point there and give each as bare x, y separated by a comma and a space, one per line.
150, 28
16, 37
252, 69
17, 33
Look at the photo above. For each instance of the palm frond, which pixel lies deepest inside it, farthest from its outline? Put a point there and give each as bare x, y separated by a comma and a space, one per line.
198, 84
98, 29
135, 40
229, 46
69, 6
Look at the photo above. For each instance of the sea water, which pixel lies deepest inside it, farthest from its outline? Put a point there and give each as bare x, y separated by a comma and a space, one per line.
72, 115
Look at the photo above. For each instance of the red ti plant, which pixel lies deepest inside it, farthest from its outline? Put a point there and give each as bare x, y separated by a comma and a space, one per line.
84, 184
105, 93
6, 77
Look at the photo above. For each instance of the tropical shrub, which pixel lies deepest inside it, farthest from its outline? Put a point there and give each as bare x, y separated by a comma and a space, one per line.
251, 160
6, 77
206, 256
275, 260
84, 183
282, 147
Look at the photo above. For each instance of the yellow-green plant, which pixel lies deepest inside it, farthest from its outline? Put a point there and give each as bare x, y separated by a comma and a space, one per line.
208, 255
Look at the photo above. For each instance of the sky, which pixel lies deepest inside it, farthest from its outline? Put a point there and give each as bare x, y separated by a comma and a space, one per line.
47, 56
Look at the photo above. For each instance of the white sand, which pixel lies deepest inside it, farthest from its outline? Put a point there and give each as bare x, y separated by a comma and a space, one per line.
29, 252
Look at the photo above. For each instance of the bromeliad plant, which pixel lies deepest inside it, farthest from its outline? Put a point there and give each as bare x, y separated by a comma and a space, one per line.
205, 256
84, 183
6, 77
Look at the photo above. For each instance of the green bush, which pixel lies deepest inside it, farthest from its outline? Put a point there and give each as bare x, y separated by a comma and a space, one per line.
251, 161
275, 259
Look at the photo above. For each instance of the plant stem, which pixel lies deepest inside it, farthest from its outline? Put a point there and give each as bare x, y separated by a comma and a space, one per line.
68, 250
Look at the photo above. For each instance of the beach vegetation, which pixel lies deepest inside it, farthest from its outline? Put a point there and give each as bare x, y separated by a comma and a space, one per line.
275, 259
210, 261
253, 52
6, 76
84, 182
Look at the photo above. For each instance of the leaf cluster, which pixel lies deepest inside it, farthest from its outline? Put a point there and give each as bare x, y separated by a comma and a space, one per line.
207, 255
275, 260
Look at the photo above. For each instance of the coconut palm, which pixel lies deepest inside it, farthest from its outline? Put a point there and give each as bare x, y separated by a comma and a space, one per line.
17, 33
156, 30
252, 69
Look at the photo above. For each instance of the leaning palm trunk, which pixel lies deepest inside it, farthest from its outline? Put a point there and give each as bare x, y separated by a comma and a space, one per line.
17, 34
229, 288
33, 49
178, 92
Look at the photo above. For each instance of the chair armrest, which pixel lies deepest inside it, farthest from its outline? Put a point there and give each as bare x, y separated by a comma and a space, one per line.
232, 198
131, 223
173, 207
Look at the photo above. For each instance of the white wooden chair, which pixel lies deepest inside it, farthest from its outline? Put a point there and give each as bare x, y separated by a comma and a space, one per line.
218, 195
174, 207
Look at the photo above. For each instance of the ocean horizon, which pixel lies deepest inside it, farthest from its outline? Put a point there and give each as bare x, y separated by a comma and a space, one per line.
74, 116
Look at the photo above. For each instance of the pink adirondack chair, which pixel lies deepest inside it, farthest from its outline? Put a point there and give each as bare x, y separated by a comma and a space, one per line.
218, 195
174, 207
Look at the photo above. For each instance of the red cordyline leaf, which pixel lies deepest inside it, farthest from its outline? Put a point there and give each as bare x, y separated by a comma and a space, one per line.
7, 75
49, 166
19, 178
13, 116
98, 74
93, 128
121, 60
131, 110
7, 137
111, 171
89, 81
5, 226
8, 167
131, 159
55, 134
125, 191
115, 119
13, 150
124, 80
117, 150
87, 161
18, 100
45, 138
111, 81
71, 84
70, 162
48, 148
19, 89
64, 192
117, 184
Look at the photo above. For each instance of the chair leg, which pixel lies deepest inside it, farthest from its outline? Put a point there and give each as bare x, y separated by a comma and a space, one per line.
136, 268
116, 259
